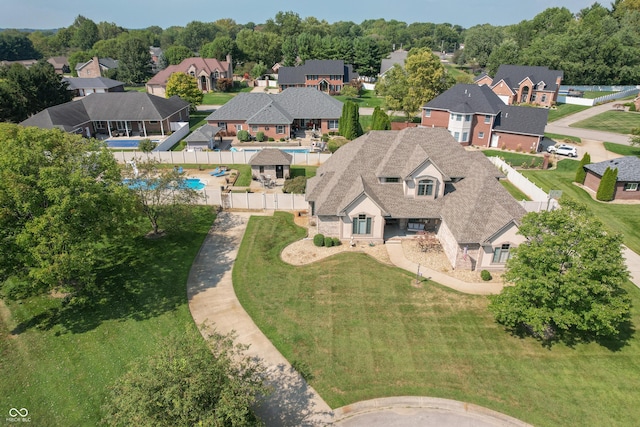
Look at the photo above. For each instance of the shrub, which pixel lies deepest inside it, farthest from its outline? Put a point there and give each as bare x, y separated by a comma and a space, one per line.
146, 145
336, 241
303, 369
271, 139
295, 185
260, 136
519, 148
485, 275
581, 174
325, 138
224, 84
318, 240
328, 241
243, 136
607, 187
282, 139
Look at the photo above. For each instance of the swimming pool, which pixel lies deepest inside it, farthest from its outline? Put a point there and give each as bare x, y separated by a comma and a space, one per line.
124, 143
192, 183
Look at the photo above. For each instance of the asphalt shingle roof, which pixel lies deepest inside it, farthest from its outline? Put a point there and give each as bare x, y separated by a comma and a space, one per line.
282, 108
466, 99
476, 209
522, 120
91, 82
296, 75
270, 157
514, 74
203, 134
395, 57
628, 168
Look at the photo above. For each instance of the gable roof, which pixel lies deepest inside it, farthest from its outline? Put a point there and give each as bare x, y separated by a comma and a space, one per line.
297, 75
522, 120
91, 82
395, 57
107, 63
107, 106
477, 208
467, 99
280, 108
513, 75
628, 168
208, 65
204, 133
270, 157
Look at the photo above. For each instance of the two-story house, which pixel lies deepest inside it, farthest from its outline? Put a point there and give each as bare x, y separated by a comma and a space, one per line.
206, 71
523, 84
475, 115
96, 67
325, 75
387, 184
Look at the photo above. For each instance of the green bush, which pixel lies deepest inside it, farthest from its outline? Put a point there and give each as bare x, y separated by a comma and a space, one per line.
336, 241
328, 241
607, 187
295, 185
243, 136
282, 139
581, 174
325, 137
485, 275
303, 369
271, 139
318, 240
260, 136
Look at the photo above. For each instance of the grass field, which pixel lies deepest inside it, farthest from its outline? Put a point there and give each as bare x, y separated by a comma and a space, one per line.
563, 138
611, 121
617, 217
596, 94
515, 159
221, 98
563, 110
308, 171
514, 191
368, 98
60, 358
625, 150
365, 332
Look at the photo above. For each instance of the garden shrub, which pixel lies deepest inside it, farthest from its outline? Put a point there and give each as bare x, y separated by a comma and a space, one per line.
607, 187
581, 174
485, 275
282, 139
318, 240
271, 139
303, 369
260, 136
243, 136
336, 241
328, 241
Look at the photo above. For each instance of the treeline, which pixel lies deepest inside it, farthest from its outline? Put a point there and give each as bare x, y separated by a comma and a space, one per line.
598, 45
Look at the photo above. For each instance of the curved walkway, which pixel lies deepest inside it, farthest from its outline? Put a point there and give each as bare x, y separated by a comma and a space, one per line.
293, 402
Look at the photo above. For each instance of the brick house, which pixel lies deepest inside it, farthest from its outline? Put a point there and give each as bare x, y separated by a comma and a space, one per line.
206, 71
475, 115
326, 75
521, 84
96, 67
390, 184
628, 181
114, 114
278, 115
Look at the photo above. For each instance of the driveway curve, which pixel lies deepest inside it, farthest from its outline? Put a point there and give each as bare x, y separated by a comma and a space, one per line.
293, 402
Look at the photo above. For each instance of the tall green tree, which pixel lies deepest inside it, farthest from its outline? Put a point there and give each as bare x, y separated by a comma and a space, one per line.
479, 42
426, 76
219, 48
567, 279
85, 34
196, 34
581, 173
607, 187
394, 86
260, 46
349, 123
186, 87
380, 120
61, 197
134, 64
15, 46
176, 54
189, 383
289, 51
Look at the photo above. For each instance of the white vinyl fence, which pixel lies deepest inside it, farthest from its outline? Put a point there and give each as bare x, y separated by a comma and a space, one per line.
213, 157
539, 199
256, 201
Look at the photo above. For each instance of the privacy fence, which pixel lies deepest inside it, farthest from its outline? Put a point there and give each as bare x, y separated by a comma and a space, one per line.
213, 157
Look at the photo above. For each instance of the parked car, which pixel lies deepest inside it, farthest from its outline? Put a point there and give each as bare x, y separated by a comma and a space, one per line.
563, 150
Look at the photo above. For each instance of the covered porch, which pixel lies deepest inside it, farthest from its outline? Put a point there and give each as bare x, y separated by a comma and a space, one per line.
409, 227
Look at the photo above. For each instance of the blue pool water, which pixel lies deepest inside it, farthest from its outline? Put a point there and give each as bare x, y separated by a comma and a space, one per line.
286, 150
192, 183
124, 143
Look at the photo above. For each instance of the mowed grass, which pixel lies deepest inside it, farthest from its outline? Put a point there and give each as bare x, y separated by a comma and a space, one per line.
221, 98
516, 159
367, 98
563, 110
624, 150
366, 332
622, 218
611, 121
57, 361
307, 171
514, 191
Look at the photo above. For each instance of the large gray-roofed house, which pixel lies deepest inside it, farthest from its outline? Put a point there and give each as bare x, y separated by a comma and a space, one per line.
475, 115
390, 183
278, 115
326, 75
628, 179
126, 113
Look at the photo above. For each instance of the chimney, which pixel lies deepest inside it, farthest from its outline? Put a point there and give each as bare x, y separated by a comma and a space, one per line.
229, 67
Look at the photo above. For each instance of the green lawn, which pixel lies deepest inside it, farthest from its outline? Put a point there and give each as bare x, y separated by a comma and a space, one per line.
197, 119
625, 150
365, 332
611, 121
617, 217
135, 88
515, 159
221, 98
563, 110
514, 191
596, 94
368, 98
61, 358
308, 171
563, 138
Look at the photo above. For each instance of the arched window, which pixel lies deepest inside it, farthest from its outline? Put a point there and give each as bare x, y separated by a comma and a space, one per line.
425, 187
525, 95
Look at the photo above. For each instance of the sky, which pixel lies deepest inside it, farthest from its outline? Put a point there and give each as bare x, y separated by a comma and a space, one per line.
47, 14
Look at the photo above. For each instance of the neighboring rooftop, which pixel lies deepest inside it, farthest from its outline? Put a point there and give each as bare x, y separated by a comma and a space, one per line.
395, 57
468, 99
297, 75
513, 75
270, 157
628, 168
91, 82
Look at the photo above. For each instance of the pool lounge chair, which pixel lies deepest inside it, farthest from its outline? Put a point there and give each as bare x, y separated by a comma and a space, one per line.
217, 172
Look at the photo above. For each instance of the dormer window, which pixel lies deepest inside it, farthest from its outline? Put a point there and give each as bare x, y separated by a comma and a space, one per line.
391, 180
216, 74
425, 187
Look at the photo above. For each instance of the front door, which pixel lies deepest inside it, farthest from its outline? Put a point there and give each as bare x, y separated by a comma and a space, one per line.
494, 140
279, 171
